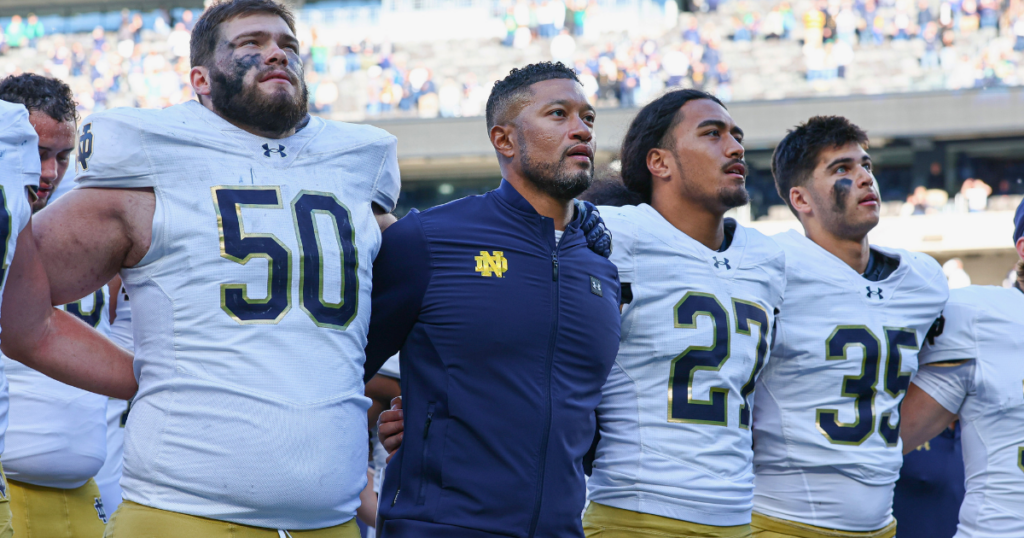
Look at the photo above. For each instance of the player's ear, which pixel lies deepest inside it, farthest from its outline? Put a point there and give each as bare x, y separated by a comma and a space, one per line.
1020, 247
503, 140
200, 79
799, 200
659, 162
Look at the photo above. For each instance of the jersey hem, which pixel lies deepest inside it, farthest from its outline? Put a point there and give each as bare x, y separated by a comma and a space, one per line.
656, 507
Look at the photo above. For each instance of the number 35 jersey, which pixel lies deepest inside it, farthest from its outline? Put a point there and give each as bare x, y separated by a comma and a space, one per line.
249, 311
675, 412
827, 450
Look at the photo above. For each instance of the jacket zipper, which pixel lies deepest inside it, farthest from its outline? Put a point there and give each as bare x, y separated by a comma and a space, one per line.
547, 367
423, 462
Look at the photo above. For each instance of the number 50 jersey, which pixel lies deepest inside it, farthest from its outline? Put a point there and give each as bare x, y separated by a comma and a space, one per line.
826, 426
676, 409
249, 311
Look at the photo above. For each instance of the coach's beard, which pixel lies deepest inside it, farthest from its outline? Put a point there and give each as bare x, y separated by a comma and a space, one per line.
553, 179
247, 105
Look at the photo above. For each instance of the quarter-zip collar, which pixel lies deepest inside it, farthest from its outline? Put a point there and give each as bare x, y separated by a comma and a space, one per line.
510, 196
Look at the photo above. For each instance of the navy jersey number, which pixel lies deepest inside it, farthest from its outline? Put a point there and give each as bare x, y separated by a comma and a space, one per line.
92, 317
682, 406
311, 270
862, 387
896, 381
240, 246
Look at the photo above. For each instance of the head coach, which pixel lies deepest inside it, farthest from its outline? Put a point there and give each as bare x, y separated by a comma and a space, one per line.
508, 325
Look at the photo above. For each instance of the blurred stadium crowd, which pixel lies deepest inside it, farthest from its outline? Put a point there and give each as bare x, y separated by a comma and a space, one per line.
737, 49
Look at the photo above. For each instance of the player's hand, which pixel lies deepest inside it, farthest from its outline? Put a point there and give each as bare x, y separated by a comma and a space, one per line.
599, 238
390, 427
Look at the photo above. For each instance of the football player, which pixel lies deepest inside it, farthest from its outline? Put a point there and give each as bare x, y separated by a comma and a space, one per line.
54, 442
19, 177
244, 231
57, 340
973, 371
826, 430
699, 294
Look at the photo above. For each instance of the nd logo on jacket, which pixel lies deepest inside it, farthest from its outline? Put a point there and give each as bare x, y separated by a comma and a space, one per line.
494, 263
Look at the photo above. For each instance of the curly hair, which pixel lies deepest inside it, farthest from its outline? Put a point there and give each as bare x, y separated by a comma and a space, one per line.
39, 93
797, 155
205, 32
509, 91
652, 128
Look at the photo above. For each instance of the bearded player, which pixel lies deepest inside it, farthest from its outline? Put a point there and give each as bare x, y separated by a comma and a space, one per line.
54, 442
826, 430
699, 297
244, 231
973, 371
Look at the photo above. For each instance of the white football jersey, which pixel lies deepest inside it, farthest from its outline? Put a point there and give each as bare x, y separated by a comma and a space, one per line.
827, 450
56, 436
108, 478
250, 311
19, 168
675, 412
984, 323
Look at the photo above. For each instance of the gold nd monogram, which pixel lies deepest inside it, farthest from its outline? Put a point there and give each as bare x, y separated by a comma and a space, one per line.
495, 263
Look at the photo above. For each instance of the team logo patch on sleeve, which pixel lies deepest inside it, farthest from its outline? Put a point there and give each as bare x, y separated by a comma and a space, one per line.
85, 147
491, 264
595, 287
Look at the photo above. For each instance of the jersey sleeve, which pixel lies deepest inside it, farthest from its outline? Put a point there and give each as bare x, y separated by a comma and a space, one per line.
624, 240
112, 153
958, 340
948, 385
389, 180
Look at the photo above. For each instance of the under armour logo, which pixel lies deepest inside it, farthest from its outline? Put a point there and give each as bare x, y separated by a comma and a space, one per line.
280, 150
595, 287
871, 293
98, 505
725, 262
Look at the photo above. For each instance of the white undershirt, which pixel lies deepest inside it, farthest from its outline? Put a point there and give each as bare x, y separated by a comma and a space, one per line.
558, 235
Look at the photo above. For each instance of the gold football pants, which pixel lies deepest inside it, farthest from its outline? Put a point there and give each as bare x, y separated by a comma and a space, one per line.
42, 512
6, 530
133, 520
601, 521
773, 527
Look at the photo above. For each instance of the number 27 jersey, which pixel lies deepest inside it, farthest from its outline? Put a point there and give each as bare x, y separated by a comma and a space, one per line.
249, 311
675, 412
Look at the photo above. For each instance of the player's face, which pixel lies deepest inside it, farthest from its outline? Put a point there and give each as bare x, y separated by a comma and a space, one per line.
707, 151
844, 192
257, 77
56, 142
555, 138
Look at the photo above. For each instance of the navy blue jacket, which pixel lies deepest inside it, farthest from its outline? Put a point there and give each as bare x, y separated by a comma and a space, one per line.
501, 373
926, 502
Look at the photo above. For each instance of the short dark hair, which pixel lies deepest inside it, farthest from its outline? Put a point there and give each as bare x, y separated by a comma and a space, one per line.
508, 90
797, 155
38, 93
652, 128
205, 32
610, 192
